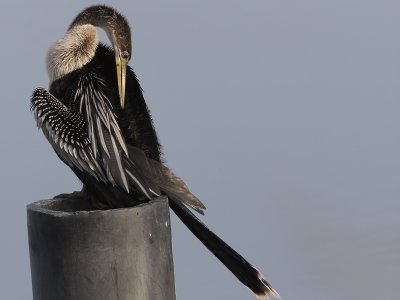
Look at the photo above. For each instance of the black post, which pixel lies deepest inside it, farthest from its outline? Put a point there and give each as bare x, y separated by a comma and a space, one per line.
119, 254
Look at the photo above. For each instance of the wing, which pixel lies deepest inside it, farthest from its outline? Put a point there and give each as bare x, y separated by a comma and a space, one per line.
107, 142
66, 132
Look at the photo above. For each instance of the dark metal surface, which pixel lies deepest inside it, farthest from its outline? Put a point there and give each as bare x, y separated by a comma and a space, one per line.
100, 255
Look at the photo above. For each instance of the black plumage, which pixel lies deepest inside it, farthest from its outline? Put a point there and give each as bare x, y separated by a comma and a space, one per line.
111, 147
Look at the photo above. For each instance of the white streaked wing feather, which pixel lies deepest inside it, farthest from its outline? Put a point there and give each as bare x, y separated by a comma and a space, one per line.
101, 137
121, 168
119, 137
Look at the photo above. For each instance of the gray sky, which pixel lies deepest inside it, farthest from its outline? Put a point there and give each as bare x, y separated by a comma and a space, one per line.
282, 116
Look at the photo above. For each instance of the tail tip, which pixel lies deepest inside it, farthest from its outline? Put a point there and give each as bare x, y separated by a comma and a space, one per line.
267, 290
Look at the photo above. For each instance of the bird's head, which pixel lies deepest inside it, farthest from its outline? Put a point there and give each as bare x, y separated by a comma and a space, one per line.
118, 31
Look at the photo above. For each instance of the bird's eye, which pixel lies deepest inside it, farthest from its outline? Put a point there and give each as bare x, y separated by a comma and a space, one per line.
125, 55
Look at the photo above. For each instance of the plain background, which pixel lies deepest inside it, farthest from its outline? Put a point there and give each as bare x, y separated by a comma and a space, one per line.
281, 115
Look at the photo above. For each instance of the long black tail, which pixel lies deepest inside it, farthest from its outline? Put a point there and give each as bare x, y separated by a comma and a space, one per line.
244, 271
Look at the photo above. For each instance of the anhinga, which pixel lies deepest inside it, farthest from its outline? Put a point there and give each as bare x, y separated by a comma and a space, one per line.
99, 125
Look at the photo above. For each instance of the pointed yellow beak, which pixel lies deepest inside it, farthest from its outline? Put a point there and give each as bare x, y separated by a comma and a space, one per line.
121, 76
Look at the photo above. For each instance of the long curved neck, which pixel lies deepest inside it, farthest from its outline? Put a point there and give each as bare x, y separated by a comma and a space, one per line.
78, 46
74, 50
111, 21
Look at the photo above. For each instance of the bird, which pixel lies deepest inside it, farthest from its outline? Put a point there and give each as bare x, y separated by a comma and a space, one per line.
98, 123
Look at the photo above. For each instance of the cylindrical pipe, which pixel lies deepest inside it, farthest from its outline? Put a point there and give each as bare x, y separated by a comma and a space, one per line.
118, 254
